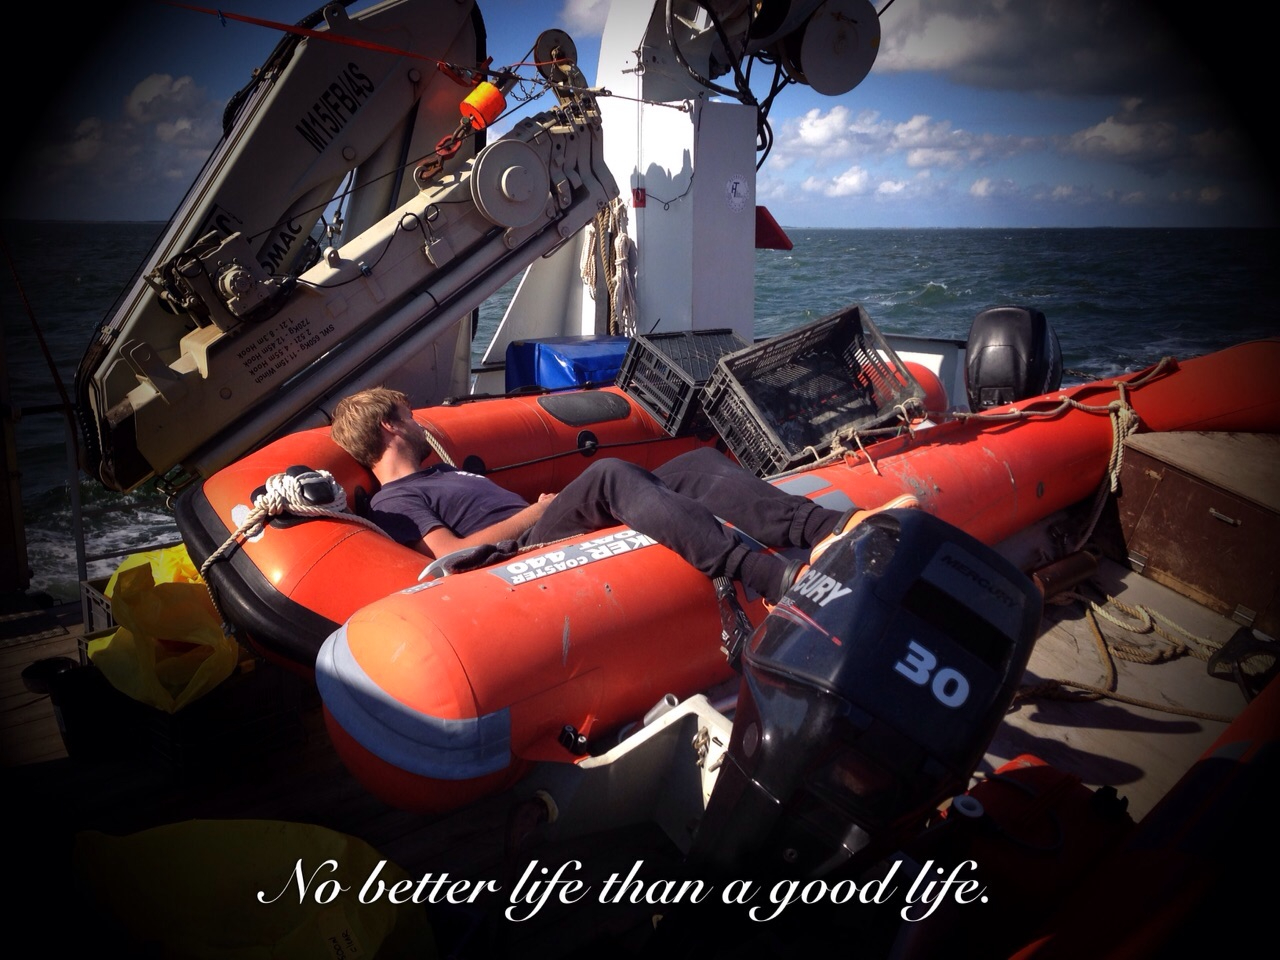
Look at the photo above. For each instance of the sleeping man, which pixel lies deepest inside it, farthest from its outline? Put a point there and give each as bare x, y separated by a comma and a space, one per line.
439, 509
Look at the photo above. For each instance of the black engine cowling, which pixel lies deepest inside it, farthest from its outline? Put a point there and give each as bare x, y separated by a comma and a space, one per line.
868, 696
1012, 354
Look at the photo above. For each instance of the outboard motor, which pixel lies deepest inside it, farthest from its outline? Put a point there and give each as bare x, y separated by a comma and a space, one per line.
868, 696
1012, 354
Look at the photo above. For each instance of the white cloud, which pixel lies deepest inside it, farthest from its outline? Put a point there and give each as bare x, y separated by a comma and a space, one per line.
584, 16
987, 188
1175, 76
832, 134
935, 157
1117, 139
920, 130
933, 41
1147, 113
1110, 59
148, 152
852, 182
920, 142
772, 189
182, 130
87, 141
816, 131
1095, 47
161, 97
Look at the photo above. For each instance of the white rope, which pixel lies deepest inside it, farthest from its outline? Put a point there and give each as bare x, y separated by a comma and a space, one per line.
436, 446
619, 278
594, 250
286, 493
588, 265
1144, 619
1124, 421
622, 301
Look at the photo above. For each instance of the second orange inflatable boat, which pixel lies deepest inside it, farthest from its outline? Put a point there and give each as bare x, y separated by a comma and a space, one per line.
450, 689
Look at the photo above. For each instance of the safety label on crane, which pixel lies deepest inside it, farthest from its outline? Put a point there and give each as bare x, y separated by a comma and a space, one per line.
274, 350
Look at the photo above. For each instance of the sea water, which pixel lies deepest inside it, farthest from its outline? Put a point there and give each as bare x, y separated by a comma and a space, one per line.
1119, 300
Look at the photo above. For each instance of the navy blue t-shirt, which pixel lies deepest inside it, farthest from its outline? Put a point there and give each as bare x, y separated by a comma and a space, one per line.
441, 496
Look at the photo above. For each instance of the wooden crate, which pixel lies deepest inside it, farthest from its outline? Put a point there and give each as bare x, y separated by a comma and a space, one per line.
1200, 513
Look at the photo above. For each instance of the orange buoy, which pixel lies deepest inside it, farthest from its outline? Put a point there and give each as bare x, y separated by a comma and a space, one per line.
483, 105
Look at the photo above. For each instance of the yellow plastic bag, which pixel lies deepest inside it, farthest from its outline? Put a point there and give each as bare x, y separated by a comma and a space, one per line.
191, 890
168, 565
169, 648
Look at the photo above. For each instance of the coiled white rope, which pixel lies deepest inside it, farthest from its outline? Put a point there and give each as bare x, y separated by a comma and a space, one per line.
289, 493
1124, 421
619, 268
622, 303
587, 265
1142, 620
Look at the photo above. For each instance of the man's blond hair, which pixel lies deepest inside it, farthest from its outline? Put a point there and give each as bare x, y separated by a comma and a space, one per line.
357, 419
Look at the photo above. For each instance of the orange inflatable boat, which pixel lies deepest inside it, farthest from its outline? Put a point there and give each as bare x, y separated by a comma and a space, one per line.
452, 688
289, 586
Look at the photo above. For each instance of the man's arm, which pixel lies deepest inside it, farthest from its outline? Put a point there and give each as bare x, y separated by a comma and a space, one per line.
441, 541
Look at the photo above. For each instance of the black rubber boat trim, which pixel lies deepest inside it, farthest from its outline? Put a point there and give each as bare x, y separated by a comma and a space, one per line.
276, 624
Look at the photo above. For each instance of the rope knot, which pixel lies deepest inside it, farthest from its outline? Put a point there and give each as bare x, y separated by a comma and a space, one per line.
301, 490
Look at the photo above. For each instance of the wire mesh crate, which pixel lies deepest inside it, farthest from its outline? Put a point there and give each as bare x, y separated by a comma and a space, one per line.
665, 373
782, 403
95, 605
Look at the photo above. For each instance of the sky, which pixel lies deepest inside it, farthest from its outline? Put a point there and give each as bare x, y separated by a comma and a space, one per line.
976, 113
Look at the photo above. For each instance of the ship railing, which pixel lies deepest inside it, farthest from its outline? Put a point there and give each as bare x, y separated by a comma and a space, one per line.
79, 513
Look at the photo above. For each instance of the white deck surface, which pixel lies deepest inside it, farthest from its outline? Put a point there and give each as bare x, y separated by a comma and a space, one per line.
1141, 752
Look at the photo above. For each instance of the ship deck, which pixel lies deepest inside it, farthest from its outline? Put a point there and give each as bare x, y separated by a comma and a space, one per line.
1135, 744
